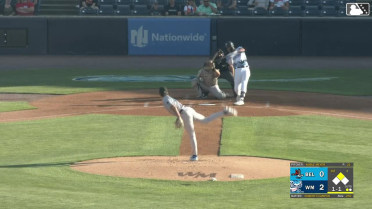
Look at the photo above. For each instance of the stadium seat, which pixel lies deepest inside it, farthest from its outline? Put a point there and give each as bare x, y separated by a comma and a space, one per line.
329, 11
181, 3
341, 11
242, 2
260, 12
123, 2
312, 11
295, 11
140, 10
161, 2
88, 11
312, 3
342, 3
228, 12
223, 2
278, 12
123, 10
106, 10
296, 3
244, 11
328, 2
140, 2
106, 2
159, 11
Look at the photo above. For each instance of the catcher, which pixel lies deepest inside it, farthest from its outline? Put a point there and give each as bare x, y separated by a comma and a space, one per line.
186, 116
219, 60
207, 81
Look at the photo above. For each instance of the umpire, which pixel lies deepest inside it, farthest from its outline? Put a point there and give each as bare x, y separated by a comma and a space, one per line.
220, 62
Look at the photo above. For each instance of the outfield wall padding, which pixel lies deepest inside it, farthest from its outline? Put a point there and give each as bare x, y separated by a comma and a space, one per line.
87, 36
337, 37
261, 36
36, 35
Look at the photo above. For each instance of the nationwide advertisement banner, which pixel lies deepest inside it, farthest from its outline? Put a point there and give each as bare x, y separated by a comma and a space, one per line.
169, 36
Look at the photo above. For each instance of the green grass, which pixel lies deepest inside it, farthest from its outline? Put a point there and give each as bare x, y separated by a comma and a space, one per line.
308, 139
35, 155
78, 138
51, 81
347, 82
13, 106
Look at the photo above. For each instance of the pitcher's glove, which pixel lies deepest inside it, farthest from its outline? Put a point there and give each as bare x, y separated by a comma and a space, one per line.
178, 123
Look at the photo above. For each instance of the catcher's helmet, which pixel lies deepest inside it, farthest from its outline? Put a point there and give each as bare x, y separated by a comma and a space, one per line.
209, 65
163, 91
229, 46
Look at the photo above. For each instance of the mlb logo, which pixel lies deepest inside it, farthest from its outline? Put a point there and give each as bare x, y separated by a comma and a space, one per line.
357, 9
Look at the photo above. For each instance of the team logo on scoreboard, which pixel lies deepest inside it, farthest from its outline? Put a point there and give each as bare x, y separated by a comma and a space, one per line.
357, 9
296, 186
297, 173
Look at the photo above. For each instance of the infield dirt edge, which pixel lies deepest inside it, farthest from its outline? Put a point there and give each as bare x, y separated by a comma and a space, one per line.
179, 168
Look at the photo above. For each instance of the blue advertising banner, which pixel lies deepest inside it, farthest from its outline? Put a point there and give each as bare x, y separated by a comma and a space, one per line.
169, 36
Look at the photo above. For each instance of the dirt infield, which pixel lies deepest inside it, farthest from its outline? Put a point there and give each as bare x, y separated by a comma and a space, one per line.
147, 102
180, 168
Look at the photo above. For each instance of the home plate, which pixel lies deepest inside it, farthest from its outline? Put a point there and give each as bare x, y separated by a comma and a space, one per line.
207, 104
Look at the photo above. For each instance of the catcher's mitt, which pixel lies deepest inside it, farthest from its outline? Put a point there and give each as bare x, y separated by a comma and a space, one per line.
178, 123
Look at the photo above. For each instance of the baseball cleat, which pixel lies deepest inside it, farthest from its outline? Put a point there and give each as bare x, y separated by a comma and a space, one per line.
194, 158
239, 103
230, 111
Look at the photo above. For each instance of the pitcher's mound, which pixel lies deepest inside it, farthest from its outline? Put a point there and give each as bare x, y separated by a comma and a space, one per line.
180, 168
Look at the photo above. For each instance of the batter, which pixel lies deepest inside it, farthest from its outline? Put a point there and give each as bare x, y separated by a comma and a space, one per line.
239, 67
186, 116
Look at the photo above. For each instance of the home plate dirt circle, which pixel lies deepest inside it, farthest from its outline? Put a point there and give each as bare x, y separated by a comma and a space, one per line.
226, 168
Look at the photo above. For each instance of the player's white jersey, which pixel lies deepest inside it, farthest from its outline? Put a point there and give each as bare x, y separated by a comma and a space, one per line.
168, 101
237, 58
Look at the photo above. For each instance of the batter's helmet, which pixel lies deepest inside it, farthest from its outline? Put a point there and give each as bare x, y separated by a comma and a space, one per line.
163, 91
229, 46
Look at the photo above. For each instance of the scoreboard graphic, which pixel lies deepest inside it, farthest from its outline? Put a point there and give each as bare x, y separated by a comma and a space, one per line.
321, 180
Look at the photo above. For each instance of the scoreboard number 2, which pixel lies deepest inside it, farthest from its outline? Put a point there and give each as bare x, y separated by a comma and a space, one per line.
321, 187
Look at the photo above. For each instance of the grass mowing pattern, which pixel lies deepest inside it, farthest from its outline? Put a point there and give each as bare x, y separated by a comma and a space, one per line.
347, 82
14, 106
78, 138
309, 139
34, 170
51, 81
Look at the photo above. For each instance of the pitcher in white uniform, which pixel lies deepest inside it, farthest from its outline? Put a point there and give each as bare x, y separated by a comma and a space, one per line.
238, 65
188, 115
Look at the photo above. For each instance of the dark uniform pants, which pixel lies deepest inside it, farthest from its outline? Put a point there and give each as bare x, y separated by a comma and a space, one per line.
227, 75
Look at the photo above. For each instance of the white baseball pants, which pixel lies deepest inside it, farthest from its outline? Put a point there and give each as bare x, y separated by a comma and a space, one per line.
188, 115
241, 80
214, 90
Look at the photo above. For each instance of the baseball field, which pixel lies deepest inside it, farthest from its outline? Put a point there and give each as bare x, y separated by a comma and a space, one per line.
92, 133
